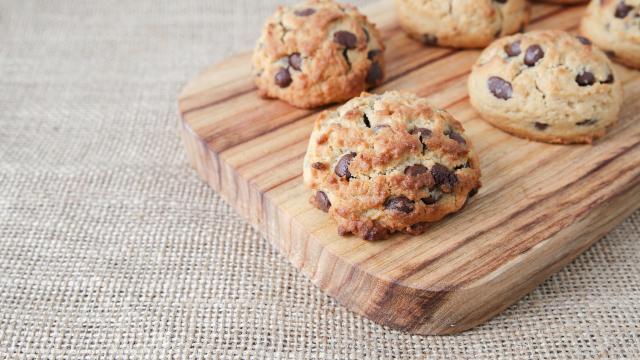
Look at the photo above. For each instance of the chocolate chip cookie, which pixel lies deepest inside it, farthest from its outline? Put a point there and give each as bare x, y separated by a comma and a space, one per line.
546, 86
614, 26
462, 23
316, 53
386, 163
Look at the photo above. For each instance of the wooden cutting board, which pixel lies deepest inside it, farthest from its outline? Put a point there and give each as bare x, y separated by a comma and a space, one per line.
541, 205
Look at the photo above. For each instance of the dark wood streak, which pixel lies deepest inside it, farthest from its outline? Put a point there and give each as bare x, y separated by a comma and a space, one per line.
239, 140
282, 182
219, 100
305, 140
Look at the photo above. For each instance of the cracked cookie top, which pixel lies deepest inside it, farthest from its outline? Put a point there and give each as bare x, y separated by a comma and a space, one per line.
316, 53
386, 163
614, 26
462, 23
546, 85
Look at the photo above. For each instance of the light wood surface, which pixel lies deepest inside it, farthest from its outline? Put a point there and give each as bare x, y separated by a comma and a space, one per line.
541, 205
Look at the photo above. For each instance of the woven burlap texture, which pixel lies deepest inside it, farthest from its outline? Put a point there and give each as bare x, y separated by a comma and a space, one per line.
112, 247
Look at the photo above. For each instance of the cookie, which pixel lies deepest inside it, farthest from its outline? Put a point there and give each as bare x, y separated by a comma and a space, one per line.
386, 163
316, 53
546, 86
462, 23
614, 26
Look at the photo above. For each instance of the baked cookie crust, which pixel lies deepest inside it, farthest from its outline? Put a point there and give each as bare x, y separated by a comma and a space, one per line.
316, 53
462, 23
614, 26
386, 163
546, 86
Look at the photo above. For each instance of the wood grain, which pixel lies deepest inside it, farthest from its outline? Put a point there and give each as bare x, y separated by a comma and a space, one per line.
541, 205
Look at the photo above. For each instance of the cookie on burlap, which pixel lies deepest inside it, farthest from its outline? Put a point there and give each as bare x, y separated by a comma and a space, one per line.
546, 86
462, 23
386, 163
614, 26
316, 53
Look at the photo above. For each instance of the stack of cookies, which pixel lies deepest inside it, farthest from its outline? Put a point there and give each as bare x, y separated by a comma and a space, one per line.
387, 163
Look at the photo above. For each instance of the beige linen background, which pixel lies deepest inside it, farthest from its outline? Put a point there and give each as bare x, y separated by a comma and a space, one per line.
111, 247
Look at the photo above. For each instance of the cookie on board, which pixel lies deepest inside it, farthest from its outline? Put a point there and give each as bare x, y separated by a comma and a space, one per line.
462, 23
316, 53
614, 26
547, 86
386, 163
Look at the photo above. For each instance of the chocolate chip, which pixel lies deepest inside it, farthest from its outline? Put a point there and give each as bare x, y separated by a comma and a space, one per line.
455, 136
472, 193
583, 40
540, 126
501, 1
372, 54
585, 79
295, 61
399, 203
375, 74
622, 10
415, 170
365, 118
346, 39
533, 54
608, 80
513, 49
587, 122
500, 88
610, 53
319, 166
376, 232
322, 201
342, 167
305, 12
367, 37
430, 39
283, 78
443, 176
429, 200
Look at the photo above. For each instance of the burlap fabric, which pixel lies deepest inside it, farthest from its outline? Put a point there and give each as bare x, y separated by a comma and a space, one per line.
111, 247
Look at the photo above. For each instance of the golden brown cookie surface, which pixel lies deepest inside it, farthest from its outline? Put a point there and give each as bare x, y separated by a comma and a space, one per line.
614, 26
462, 23
386, 163
316, 53
546, 86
